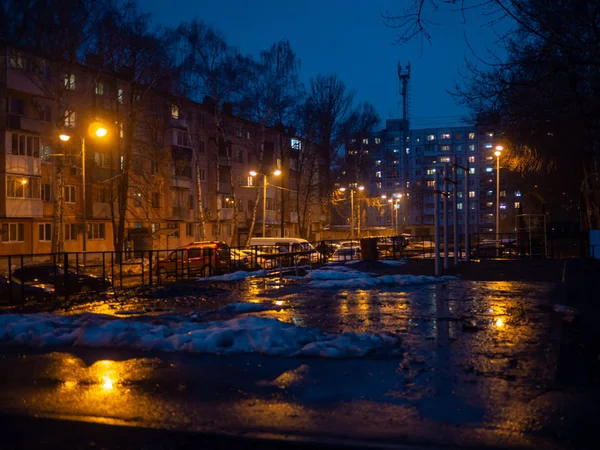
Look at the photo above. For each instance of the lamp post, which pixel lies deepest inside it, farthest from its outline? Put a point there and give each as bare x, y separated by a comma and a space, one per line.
397, 207
360, 188
100, 131
264, 215
498, 152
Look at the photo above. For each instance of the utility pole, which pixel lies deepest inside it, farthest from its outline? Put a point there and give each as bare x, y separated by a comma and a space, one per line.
445, 194
455, 210
436, 222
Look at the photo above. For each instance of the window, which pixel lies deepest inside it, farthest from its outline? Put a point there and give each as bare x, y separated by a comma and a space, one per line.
431, 183
366, 141
517, 193
502, 193
489, 169
121, 131
120, 96
471, 194
153, 167
378, 185
22, 187
431, 137
472, 171
45, 232
250, 205
471, 136
248, 135
240, 155
175, 111
201, 120
46, 113
445, 159
99, 88
189, 229
488, 145
201, 147
96, 231
471, 159
14, 233
46, 192
183, 139
459, 206
458, 148
17, 60
137, 199
296, 143
489, 204
377, 141
458, 136
239, 132
70, 193
430, 171
202, 174
156, 199
70, 232
70, 119
471, 147
378, 162
445, 136
378, 174
16, 106
459, 194
517, 205
69, 81
445, 148
407, 150
25, 145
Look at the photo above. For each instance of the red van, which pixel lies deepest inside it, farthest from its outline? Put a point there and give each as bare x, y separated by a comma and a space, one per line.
202, 258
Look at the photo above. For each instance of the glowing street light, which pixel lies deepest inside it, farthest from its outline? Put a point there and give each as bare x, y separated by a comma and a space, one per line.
360, 188
96, 129
276, 173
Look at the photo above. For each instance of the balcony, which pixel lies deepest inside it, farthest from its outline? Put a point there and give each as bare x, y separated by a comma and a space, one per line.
180, 212
23, 123
27, 207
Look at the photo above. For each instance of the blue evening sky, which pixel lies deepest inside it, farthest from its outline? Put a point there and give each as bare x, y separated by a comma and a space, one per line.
348, 37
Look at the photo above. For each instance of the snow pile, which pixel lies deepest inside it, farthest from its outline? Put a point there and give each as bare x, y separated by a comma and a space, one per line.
234, 276
241, 335
336, 273
392, 262
370, 282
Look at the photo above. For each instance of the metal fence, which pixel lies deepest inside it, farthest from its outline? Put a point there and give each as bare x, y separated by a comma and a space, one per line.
61, 276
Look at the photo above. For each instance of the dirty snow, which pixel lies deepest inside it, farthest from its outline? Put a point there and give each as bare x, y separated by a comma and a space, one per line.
234, 276
242, 335
392, 262
370, 282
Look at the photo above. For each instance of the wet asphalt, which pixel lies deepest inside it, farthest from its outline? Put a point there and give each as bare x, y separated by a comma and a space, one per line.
477, 368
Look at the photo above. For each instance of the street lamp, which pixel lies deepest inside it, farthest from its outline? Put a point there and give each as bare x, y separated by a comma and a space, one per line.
391, 202
397, 208
253, 173
360, 188
498, 152
96, 129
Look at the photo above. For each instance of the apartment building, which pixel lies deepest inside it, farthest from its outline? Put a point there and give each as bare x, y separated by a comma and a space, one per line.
401, 164
159, 173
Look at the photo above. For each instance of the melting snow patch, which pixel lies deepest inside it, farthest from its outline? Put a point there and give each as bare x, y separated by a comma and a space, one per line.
241, 335
235, 276
328, 274
385, 280
391, 262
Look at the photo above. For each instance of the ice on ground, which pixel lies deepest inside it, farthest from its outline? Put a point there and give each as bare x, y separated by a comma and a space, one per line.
392, 262
356, 261
243, 308
370, 282
242, 335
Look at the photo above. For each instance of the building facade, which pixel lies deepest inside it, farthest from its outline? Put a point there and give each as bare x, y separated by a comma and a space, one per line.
399, 165
160, 178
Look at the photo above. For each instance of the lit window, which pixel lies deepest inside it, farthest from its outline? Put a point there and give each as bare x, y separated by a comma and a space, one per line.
445, 148
471, 159
488, 145
489, 204
99, 89
378, 185
418, 139
431, 137
502, 193
378, 162
459, 206
490, 134
445, 136
396, 140
489, 158
471, 194
70, 119
471, 136
430, 171
459, 194
377, 141
175, 111
378, 174
517, 193
445, 159
502, 206
407, 185
121, 130
366, 141
431, 183
69, 81
120, 95
296, 143
396, 150
517, 205
407, 150
489, 169
472, 170
471, 147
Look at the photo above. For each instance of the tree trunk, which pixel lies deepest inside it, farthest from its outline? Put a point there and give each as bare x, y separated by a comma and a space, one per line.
200, 231
258, 190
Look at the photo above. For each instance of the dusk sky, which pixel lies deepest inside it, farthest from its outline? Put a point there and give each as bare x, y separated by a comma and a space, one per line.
348, 37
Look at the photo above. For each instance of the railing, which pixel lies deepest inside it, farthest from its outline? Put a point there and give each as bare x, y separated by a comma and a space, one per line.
62, 276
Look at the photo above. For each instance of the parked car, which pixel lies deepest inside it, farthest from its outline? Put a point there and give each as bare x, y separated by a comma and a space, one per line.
14, 291
240, 259
50, 274
303, 252
346, 254
199, 258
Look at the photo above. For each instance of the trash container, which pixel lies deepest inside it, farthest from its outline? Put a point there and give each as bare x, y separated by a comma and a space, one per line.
368, 249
